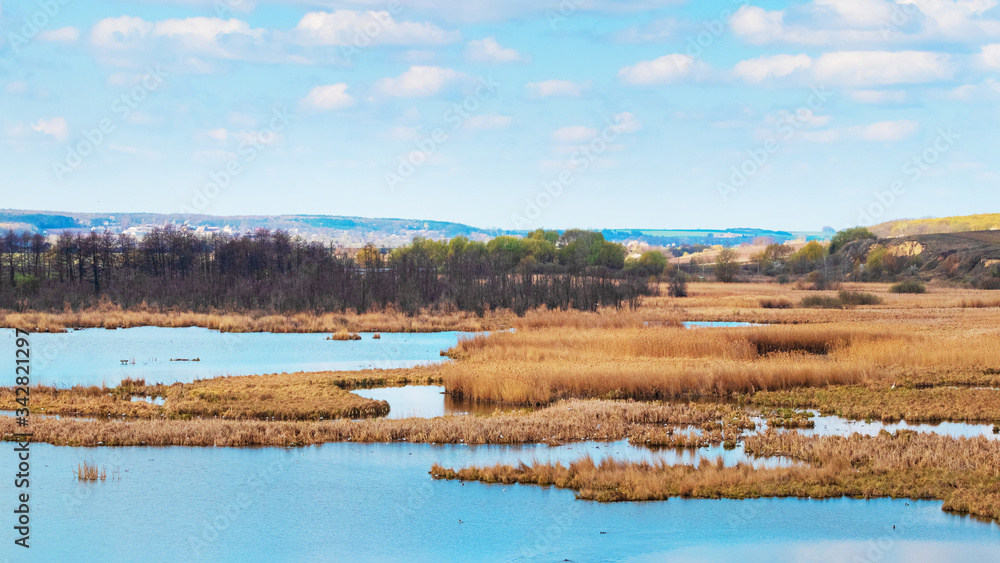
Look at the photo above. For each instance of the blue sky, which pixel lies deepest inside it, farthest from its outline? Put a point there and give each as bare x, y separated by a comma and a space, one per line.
515, 114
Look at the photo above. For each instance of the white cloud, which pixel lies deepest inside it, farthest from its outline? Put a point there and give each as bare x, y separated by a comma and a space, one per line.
17, 87
418, 81
889, 131
487, 122
668, 68
127, 40
862, 68
333, 96
55, 126
61, 35
878, 96
404, 133
757, 25
989, 56
120, 32
574, 134
490, 52
987, 89
554, 89
360, 29
777, 66
218, 134
879, 132
871, 22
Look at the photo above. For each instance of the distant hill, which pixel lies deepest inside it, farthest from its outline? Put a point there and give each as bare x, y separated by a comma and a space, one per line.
357, 231
346, 231
958, 224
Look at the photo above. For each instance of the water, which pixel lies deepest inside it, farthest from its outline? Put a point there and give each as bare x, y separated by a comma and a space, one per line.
837, 426
93, 356
425, 401
376, 502
717, 324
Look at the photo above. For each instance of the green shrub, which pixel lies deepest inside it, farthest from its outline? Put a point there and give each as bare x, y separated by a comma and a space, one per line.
908, 286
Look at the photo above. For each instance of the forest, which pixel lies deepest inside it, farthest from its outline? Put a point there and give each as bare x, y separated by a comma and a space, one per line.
274, 271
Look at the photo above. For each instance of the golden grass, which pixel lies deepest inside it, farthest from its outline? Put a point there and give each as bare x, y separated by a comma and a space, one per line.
536, 366
567, 421
963, 472
892, 404
111, 316
286, 396
87, 471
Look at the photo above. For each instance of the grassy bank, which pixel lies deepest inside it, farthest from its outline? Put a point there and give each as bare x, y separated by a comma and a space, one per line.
964, 473
567, 421
285, 396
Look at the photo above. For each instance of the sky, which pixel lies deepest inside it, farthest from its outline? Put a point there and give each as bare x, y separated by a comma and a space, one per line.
513, 114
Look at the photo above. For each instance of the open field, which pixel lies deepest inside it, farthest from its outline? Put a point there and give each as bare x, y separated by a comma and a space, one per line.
963, 472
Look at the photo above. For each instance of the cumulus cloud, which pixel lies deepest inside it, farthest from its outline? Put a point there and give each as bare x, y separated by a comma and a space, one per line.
989, 56
418, 81
330, 97
360, 29
668, 68
490, 52
843, 22
126, 40
55, 126
776, 66
859, 68
554, 89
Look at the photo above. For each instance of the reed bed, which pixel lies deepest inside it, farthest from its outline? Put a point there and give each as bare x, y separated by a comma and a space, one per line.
567, 421
285, 396
891, 404
111, 316
653, 362
963, 472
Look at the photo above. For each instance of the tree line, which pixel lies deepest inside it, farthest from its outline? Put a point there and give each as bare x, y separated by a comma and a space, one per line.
274, 271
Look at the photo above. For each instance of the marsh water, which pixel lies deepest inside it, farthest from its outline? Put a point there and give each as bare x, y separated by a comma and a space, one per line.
377, 502
167, 355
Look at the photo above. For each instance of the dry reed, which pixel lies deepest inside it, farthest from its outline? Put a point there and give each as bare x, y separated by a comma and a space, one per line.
963, 472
